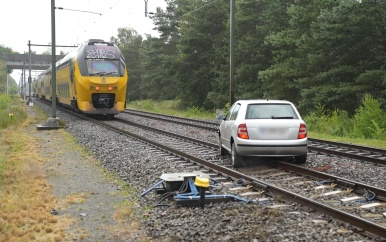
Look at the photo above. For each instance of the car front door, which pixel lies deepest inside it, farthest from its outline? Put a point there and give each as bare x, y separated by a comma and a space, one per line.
229, 123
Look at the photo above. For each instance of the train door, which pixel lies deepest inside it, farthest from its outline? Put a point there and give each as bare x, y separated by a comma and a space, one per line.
72, 85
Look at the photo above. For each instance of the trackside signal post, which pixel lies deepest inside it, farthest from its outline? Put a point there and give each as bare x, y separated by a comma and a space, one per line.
53, 122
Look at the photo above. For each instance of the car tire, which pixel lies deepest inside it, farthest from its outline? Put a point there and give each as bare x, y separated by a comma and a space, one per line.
221, 149
301, 159
237, 160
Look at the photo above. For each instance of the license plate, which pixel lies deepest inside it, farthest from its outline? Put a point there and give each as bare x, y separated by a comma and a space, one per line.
273, 130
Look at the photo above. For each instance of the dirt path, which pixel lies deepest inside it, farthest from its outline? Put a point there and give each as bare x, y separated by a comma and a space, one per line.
86, 194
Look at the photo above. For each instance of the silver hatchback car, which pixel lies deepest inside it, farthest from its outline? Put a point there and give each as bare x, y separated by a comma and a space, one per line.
266, 128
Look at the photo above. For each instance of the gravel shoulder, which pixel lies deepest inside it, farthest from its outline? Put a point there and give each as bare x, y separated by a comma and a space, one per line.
90, 196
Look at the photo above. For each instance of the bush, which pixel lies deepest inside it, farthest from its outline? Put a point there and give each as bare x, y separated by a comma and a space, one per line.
369, 119
11, 111
336, 123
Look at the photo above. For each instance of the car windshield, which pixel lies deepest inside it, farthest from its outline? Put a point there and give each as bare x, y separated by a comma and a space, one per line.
271, 111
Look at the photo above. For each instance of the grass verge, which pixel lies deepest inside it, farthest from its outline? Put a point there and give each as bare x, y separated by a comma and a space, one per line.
171, 107
358, 141
26, 199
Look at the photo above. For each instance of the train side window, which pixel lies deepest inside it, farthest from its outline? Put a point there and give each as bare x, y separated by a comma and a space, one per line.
72, 70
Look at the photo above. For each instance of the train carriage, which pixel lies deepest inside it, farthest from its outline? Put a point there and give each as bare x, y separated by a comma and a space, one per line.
91, 79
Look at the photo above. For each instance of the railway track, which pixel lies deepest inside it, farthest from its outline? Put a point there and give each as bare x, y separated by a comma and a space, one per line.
281, 186
333, 182
191, 157
362, 153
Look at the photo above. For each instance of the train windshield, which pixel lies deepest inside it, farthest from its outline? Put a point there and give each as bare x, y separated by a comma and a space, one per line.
102, 67
101, 59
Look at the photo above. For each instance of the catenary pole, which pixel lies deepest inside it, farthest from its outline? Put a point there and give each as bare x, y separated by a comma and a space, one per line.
29, 77
23, 81
231, 52
53, 60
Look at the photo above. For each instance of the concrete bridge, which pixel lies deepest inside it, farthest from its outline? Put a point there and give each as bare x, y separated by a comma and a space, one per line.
21, 61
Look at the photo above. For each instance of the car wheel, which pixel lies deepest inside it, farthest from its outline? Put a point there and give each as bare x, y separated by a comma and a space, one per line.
221, 149
301, 159
237, 159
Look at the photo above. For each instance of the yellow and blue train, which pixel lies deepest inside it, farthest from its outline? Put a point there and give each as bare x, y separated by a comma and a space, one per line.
91, 79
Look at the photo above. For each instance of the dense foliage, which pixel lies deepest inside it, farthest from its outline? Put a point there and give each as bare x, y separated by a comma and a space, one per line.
323, 53
11, 111
12, 85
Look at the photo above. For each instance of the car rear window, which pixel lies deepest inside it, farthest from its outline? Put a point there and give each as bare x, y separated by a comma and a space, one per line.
271, 111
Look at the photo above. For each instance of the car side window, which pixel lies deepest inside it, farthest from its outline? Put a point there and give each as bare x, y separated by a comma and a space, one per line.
235, 112
227, 117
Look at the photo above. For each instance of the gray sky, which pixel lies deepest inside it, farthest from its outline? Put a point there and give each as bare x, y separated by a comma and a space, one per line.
24, 20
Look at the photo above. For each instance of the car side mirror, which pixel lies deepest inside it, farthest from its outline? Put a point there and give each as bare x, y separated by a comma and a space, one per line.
220, 117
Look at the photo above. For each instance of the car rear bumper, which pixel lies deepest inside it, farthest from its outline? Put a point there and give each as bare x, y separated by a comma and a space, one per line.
272, 148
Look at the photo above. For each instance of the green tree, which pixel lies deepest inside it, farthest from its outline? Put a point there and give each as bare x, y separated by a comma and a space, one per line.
3, 70
256, 21
158, 55
369, 119
346, 56
202, 28
158, 82
130, 43
283, 79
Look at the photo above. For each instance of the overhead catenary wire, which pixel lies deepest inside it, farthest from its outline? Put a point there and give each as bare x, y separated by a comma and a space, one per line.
195, 10
85, 29
75, 10
103, 14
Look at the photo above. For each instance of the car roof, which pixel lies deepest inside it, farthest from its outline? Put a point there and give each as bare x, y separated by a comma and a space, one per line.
249, 101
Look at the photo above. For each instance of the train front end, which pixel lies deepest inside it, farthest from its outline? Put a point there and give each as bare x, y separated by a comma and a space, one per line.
100, 81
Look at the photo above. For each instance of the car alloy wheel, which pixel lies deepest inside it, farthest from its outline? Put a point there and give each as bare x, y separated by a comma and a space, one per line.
221, 149
237, 159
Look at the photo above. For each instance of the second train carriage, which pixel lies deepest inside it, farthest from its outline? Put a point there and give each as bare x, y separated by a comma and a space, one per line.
92, 79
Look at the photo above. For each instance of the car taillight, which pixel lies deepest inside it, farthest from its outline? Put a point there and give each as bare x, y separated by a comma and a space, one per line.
302, 131
242, 131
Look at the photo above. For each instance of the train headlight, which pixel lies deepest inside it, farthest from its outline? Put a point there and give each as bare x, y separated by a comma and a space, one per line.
110, 88
97, 88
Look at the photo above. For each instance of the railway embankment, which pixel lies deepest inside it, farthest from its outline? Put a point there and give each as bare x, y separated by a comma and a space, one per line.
94, 177
60, 192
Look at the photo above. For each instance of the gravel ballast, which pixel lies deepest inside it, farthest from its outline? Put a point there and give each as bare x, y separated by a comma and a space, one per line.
137, 164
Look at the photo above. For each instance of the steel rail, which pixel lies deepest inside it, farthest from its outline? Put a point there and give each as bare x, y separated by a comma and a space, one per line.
347, 145
348, 155
211, 145
380, 193
168, 118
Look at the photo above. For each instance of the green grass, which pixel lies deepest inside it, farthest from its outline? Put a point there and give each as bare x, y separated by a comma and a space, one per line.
11, 111
359, 141
171, 107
